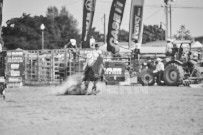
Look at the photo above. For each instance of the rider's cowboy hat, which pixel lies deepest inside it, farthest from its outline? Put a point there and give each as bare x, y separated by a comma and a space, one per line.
73, 42
158, 59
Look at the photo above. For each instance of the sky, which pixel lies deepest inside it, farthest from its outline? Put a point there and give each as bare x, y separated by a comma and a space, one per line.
184, 12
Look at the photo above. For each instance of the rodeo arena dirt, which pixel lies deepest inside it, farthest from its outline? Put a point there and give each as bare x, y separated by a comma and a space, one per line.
52, 98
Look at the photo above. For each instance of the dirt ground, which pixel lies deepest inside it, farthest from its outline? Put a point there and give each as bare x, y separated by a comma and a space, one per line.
116, 110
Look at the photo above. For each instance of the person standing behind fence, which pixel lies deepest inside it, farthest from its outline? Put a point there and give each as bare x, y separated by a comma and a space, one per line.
72, 46
169, 47
92, 42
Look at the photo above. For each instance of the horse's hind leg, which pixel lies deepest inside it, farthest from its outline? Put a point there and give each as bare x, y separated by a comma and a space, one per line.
86, 85
94, 88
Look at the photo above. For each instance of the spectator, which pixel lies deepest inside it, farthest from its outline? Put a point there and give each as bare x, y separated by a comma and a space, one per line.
169, 47
92, 42
174, 51
71, 44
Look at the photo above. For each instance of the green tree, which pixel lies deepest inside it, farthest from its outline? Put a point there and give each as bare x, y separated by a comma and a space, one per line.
183, 34
150, 33
153, 33
24, 32
61, 27
123, 35
1, 6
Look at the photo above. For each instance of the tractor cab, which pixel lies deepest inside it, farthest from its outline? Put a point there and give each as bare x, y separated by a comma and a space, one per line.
181, 49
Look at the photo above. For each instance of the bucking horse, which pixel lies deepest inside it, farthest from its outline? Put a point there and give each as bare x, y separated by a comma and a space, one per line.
93, 72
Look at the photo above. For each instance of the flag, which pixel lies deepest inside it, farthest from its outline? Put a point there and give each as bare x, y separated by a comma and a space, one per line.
1, 10
136, 24
115, 19
88, 14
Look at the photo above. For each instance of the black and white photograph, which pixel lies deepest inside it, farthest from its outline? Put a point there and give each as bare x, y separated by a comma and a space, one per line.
101, 67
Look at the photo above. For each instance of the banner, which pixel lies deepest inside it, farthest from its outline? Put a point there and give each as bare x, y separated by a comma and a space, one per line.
1, 6
114, 71
115, 19
1, 10
15, 66
136, 24
88, 14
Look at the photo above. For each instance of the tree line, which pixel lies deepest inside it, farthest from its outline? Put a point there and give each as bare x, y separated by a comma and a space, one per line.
61, 26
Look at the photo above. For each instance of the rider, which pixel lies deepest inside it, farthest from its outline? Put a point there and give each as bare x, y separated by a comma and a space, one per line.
92, 73
97, 52
91, 59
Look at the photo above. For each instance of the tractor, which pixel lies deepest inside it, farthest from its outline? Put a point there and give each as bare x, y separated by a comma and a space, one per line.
182, 66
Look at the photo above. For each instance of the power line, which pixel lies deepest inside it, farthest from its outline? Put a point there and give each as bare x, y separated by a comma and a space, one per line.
189, 7
146, 6
156, 12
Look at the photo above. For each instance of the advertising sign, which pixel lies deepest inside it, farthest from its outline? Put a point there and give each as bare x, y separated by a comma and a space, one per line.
15, 66
114, 71
115, 19
136, 24
88, 14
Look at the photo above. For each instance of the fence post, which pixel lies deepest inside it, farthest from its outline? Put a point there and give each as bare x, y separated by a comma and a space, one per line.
70, 63
52, 68
38, 69
65, 64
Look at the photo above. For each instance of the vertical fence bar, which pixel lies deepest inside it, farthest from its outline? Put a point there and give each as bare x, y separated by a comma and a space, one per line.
38, 67
65, 64
70, 64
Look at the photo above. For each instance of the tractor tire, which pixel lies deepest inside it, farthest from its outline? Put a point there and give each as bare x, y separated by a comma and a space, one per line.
173, 75
146, 77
